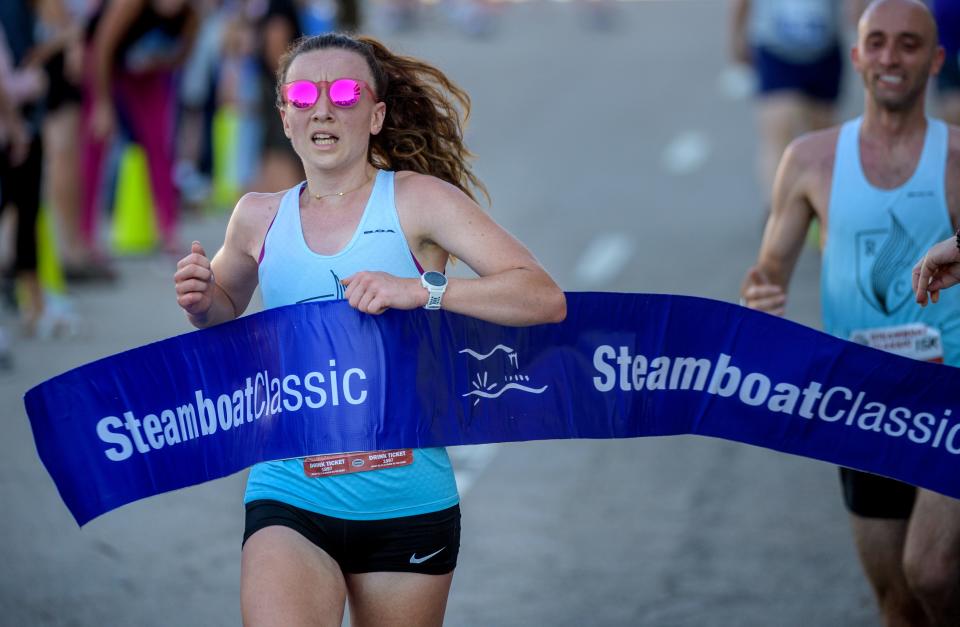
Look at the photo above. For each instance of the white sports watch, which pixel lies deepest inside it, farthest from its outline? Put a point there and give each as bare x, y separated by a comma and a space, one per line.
436, 284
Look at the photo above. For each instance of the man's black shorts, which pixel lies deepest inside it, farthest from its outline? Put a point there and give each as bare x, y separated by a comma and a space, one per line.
873, 496
425, 543
818, 80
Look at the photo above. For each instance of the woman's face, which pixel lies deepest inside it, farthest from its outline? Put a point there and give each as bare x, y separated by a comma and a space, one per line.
323, 135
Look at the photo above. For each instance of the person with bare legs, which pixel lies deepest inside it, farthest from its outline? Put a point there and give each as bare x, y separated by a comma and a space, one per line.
885, 187
387, 201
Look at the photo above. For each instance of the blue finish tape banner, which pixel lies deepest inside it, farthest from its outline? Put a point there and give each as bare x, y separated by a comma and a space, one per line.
322, 378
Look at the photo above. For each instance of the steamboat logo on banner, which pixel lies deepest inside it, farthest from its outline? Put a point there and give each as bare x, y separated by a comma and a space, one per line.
497, 372
884, 260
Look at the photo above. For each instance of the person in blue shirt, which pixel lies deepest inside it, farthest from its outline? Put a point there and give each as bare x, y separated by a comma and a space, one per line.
387, 201
885, 187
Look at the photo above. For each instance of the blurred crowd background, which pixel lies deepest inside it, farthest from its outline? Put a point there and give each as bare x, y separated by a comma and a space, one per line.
118, 118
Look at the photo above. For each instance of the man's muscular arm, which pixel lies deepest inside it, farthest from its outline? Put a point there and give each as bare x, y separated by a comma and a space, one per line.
765, 285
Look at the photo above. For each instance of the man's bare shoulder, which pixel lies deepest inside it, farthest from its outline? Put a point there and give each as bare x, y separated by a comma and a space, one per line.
814, 150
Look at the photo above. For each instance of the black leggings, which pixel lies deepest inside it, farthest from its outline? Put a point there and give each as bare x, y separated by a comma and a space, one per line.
20, 190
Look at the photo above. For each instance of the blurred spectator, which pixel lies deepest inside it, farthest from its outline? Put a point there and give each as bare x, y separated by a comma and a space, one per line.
794, 47
321, 16
133, 49
60, 52
947, 14
198, 103
24, 89
349, 16
276, 25
239, 91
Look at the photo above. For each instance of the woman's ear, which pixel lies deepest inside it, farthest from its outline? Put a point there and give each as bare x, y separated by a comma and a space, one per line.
377, 117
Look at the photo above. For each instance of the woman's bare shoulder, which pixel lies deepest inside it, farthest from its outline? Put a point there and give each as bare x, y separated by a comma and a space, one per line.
251, 218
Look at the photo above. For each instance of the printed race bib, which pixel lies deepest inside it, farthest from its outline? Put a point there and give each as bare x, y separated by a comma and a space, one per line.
916, 341
346, 463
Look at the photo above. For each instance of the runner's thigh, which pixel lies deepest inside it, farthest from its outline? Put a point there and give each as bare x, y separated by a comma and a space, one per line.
286, 580
388, 599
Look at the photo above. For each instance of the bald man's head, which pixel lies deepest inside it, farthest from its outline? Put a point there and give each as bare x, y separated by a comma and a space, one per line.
897, 53
917, 9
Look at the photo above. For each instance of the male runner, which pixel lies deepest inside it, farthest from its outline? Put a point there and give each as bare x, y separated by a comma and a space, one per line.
885, 187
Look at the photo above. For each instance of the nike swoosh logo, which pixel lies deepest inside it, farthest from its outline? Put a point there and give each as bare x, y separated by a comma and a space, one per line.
419, 560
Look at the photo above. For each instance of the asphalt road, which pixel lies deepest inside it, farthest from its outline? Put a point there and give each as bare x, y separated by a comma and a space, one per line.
623, 159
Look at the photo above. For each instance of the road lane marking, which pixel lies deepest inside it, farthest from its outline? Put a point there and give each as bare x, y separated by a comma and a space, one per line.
736, 82
603, 259
686, 153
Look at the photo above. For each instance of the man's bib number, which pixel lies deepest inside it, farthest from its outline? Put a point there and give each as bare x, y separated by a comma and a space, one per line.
916, 341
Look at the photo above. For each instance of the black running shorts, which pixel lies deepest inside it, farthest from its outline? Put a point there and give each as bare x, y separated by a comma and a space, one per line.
425, 543
873, 496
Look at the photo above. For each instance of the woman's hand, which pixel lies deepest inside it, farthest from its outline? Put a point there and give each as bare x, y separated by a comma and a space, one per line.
375, 292
195, 283
939, 269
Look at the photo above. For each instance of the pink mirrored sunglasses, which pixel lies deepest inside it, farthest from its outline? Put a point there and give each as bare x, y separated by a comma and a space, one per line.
343, 93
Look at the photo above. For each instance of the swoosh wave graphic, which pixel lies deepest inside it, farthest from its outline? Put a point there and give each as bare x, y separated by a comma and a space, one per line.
498, 347
509, 386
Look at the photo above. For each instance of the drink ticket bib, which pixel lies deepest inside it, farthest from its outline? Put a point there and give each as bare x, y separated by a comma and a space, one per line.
346, 463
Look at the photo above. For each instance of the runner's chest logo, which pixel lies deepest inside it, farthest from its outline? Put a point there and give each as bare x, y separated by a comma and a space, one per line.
336, 290
884, 260
496, 372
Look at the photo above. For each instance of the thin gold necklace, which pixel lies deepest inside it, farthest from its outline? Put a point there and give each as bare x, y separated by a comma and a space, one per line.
343, 193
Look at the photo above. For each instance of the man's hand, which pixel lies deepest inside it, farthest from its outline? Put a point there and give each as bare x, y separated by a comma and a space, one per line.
375, 292
758, 292
194, 283
938, 270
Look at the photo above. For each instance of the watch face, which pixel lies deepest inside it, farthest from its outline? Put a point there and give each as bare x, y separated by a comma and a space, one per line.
435, 279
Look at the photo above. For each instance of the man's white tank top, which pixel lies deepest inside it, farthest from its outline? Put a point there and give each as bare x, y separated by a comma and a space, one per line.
290, 272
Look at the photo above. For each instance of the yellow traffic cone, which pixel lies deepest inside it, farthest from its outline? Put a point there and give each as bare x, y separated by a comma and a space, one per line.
226, 189
134, 218
49, 268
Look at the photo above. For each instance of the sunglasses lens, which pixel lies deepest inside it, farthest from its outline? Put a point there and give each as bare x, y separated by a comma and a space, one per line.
344, 92
302, 94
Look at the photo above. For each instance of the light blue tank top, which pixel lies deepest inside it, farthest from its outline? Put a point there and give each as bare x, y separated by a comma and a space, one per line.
292, 273
875, 236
